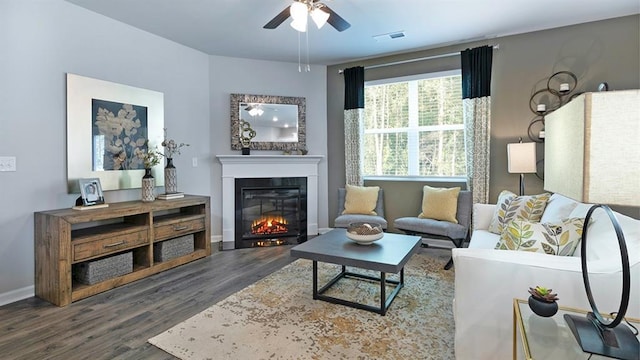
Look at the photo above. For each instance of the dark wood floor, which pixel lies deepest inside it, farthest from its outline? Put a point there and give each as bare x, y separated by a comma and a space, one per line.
116, 324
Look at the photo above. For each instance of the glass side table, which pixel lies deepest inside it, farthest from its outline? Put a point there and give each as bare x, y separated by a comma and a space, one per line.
548, 338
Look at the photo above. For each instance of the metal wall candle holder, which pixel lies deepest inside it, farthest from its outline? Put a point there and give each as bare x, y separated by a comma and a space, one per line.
559, 91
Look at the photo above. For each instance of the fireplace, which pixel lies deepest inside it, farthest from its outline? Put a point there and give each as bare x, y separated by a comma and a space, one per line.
270, 211
266, 166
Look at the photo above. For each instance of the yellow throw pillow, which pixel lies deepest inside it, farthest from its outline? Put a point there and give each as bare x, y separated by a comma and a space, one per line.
361, 200
440, 203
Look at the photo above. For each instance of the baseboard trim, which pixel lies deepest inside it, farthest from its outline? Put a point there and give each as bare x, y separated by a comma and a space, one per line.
227, 245
324, 230
17, 295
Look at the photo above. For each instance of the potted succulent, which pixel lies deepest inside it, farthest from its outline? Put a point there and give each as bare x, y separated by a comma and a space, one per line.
542, 301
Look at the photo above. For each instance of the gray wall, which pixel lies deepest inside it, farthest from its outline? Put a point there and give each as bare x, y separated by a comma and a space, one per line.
606, 50
42, 40
232, 75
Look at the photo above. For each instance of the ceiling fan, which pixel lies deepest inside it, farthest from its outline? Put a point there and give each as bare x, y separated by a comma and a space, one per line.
319, 12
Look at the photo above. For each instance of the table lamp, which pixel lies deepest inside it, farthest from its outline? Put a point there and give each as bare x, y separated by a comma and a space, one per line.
592, 155
521, 159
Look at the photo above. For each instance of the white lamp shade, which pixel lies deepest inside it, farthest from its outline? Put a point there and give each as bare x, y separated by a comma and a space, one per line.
298, 11
300, 25
319, 17
521, 158
592, 148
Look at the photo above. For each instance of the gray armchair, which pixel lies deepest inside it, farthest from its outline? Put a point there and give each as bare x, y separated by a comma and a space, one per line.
343, 220
437, 229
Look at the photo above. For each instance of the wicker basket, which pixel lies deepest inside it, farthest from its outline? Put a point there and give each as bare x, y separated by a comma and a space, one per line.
173, 248
95, 271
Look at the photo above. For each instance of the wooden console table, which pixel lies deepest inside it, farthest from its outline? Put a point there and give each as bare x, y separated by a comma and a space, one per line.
66, 237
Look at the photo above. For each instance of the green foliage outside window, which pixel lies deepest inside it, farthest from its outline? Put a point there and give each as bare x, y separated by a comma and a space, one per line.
414, 128
440, 101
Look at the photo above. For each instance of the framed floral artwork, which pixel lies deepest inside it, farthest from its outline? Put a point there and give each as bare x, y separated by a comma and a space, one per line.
108, 125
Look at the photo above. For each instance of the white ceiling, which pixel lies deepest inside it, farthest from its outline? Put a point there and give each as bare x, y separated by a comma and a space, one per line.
234, 27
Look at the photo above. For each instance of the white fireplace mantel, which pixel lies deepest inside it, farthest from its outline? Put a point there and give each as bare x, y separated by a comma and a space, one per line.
260, 166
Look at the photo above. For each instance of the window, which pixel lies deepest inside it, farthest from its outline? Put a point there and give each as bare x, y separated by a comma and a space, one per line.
413, 126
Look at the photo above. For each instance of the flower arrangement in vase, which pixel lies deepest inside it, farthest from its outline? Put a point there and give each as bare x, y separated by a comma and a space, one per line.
171, 148
542, 301
151, 158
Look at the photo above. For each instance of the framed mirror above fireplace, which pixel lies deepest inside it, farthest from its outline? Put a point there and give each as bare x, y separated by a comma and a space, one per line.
279, 121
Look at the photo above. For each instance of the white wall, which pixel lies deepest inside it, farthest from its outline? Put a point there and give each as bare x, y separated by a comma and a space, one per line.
243, 76
42, 40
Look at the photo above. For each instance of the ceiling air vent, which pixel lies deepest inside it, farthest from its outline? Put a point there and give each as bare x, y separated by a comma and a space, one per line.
390, 36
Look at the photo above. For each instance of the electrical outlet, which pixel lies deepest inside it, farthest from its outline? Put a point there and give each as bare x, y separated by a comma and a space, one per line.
194, 162
7, 163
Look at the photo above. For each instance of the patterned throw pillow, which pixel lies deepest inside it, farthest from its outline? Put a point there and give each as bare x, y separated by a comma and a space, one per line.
554, 238
360, 199
512, 207
440, 203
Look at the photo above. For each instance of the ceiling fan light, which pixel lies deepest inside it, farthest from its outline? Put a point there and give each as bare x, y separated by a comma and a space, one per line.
298, 11
319, 17
300, 25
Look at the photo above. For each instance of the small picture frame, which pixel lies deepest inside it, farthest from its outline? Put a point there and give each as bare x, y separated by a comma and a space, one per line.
91, 191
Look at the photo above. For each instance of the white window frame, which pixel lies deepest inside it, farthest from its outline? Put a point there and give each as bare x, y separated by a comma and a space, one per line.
413, 129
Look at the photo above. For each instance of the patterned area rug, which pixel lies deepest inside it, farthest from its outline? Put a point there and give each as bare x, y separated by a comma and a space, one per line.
276, 318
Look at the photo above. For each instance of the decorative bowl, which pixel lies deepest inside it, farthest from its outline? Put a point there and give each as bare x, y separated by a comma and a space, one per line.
364, 233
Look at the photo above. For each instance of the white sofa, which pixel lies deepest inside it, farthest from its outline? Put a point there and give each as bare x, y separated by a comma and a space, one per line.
487, 280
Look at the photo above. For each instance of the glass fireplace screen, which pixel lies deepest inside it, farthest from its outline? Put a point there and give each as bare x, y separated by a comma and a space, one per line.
270, 211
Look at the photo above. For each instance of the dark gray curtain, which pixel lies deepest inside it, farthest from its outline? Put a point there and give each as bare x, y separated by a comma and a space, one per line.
353, 124
476, 95
354, 88
476, 72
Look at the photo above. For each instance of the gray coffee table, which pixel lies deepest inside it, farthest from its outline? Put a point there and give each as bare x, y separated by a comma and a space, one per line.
387, 255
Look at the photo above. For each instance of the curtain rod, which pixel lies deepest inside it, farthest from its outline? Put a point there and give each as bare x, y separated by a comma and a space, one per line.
340, 71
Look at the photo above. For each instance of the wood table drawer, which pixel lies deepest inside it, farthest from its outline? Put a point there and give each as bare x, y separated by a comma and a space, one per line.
90, 249
178, 228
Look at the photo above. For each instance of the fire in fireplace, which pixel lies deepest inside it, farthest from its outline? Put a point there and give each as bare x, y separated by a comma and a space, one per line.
270, 225
270, 211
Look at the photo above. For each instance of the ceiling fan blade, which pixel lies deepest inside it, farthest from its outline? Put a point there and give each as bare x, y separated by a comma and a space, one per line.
279, 19
335, 20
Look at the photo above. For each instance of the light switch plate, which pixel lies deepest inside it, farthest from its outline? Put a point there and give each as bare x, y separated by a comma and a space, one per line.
7, 163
